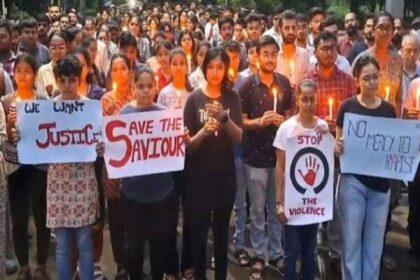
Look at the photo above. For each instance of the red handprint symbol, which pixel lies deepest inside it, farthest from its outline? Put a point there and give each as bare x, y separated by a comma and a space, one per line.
312, 168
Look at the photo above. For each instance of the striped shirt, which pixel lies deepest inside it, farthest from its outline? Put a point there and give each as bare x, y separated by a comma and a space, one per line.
300, 65
338, 86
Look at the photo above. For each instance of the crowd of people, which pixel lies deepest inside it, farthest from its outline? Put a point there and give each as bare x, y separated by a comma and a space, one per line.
224, 68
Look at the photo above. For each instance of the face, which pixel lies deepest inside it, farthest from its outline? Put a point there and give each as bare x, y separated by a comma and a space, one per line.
89, 28
302, 30
144, 25
234, 58
68, 85
163, 57
105, 16
83, 63
200, 55
169, 35
398, 26
42, 28
326, 53
55, 26
5, 39
54, 13
384, 30
73, 19
120, 72
254, 30
368, 30
24, 75
315, 23
29, 36
306, 102
178, 67
215, 72
268, 58
64, 23
126, 18
410, 51
276, 19
166, 18
183, 18
103, 36
58, 48
252, 56
369, 80
332, 28
134, 27
92, 50
145, 89
226, 31
77, 42
289, 30
350, 24
131, 53
153, 24
238, 32
187, 43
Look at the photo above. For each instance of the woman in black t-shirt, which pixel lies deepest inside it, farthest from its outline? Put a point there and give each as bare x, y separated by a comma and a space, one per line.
212, 115
363, 200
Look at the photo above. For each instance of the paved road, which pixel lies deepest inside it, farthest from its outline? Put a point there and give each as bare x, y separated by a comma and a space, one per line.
397, 241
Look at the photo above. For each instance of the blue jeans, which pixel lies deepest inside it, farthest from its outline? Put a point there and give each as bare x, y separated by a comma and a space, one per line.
240, 204
364, 213
262, 193
83, 238
301, 238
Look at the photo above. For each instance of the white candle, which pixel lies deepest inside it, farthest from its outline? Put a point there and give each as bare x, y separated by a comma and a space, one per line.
292, 72
418, 99
387, 93
275, 99
216, 133
330, 104
189, 63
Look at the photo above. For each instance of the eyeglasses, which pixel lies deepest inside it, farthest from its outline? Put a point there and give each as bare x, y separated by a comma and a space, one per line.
269, 55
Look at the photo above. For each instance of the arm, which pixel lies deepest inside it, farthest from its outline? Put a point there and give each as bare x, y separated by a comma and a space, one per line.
279, 174
234, 131
339, 141
3, 134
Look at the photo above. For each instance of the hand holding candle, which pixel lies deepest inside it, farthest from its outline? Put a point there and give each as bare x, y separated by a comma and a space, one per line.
189, 63
330, 105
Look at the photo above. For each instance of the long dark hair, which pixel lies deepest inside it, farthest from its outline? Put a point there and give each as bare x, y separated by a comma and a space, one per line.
85, 54
213, 53
180, 51
182, 34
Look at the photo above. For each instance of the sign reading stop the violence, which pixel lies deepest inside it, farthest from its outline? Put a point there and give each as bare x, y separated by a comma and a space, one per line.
309, 177
144, 143
58, 131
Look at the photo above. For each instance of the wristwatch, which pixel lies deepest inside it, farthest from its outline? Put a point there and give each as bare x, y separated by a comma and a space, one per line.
225, 118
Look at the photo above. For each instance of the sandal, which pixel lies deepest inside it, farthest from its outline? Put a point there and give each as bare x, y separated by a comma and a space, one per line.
278, 264
242, 257
188, 274
257, 269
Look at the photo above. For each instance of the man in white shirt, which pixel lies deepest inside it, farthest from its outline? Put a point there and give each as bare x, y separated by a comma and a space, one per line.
274, 31
211, 31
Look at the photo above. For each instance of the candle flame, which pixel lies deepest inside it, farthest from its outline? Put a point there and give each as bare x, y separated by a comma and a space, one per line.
189, 57
114, 86
292, 64
330, 101
275, 91
231, 72
418, 93
258, 65
18, 99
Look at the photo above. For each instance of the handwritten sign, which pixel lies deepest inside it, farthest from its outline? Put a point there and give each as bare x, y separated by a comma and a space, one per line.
380, 147
309, 177
144, 143
58, 131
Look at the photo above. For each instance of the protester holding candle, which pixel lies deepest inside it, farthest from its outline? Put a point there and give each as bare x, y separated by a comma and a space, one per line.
298, 239
364, 200
112, 102
186, 41
174, 96
234, 51
261, 123
28, 184
211, 186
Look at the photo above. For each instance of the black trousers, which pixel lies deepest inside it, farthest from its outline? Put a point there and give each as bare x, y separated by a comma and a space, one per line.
210, 198
118, 230
28, 187
414, 213
172, 262
148, 222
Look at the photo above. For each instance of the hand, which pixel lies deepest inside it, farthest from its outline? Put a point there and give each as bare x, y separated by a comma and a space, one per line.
331, 124
210, 127
100, 149
187, 136
278, 119
281, 214
215, 110
339, 145
267, 118
14, 134
413, 114
11, 117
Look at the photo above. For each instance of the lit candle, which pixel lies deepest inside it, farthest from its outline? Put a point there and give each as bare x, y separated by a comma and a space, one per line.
418, 99
189, 63
330, 104
114, 86
292, 72
387, 93
275, 92
231, 73
258, 65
